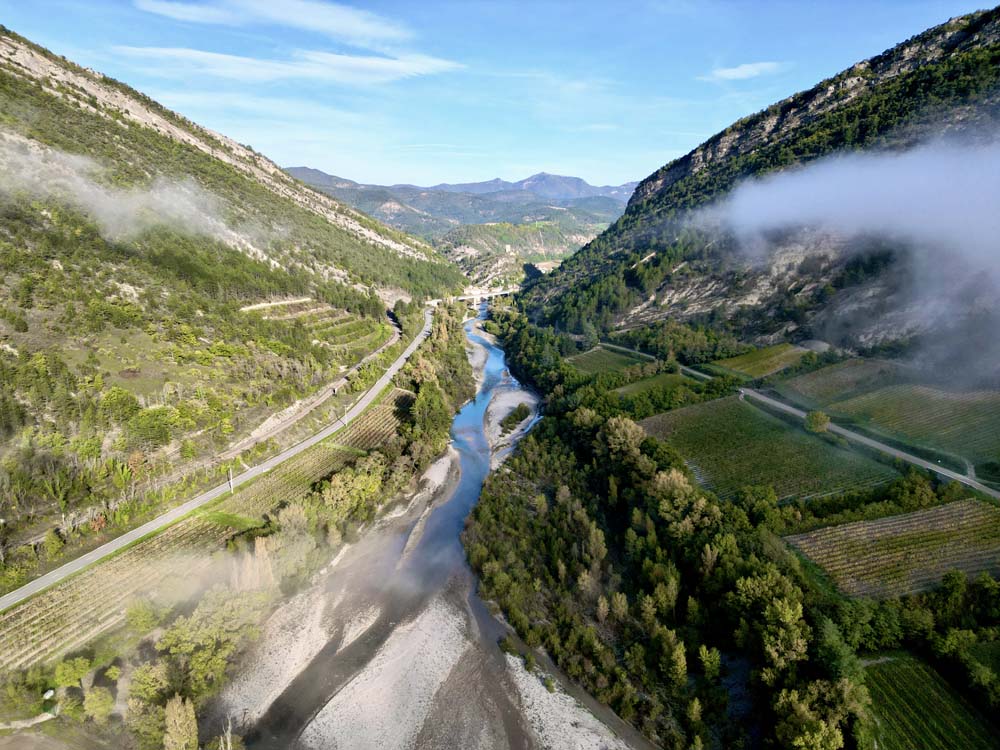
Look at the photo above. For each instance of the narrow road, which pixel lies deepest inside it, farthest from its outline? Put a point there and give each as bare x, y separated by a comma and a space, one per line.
74, 566
875, 444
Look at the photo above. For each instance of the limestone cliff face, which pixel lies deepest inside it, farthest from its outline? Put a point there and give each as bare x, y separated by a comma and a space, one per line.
803, 284
785, 117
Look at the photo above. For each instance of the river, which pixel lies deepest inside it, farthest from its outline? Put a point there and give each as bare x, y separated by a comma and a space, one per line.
392, 648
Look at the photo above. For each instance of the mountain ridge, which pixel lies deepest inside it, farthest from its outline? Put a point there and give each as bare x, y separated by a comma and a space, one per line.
652, 265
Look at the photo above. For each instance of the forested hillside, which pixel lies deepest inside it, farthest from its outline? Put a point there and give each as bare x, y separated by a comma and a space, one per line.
653, 263
146, 271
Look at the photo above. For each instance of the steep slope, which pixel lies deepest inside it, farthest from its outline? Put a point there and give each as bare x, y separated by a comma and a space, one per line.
652, 264
489, 228
164, 293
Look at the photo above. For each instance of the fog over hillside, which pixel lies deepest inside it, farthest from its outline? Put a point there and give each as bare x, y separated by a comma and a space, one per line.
936, 203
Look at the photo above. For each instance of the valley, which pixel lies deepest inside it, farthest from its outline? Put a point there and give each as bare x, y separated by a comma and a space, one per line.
705, 461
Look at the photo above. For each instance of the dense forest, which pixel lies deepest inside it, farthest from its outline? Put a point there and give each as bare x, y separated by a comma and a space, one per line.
686, 614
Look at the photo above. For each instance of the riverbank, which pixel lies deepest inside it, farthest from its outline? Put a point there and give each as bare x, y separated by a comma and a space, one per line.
297, 631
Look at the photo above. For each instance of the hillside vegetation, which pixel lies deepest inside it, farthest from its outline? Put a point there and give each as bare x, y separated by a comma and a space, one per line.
136, 250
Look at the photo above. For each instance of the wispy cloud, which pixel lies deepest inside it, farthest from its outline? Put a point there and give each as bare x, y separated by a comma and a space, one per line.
744, 71
359, 28
304, 65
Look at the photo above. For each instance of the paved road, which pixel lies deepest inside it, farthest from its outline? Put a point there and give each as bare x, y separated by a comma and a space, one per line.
74, 566
867, 441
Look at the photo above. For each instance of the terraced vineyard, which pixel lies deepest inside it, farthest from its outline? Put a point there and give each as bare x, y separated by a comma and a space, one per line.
965, 424
601, 359
730, 444
842, 380
349, 336
761, 362
80, 608
663, 380
915, 708
908, 553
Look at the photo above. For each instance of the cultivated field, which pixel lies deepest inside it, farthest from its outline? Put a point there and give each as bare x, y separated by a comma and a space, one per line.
601, 359
908, 553
663, 380
761, 362
730, 444
78, 609
915, 708
840, 381
964, 424
349, 336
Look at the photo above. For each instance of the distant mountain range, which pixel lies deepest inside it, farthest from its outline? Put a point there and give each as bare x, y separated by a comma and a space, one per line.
542, 185
490, 228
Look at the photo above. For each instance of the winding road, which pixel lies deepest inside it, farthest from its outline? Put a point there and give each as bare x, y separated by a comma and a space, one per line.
74, 566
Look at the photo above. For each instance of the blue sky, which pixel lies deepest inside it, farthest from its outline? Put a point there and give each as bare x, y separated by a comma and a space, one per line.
425, 91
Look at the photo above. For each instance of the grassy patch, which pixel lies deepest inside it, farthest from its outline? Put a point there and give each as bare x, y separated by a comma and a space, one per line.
730, 444
663, 380
839, 381
233, 520
916, 708
761, 362
601, 359
907, 553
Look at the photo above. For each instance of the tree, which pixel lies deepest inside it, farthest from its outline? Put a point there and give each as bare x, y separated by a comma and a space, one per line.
711, 661
619, 605
98, 704
180, 726
69, 673
817, 421
53, 544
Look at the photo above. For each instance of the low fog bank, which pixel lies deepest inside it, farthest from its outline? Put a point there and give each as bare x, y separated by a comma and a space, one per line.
120, 213
937, 205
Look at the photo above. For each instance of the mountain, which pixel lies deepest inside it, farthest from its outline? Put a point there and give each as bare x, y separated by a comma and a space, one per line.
470, 223
668, 258
543, 184
164, 292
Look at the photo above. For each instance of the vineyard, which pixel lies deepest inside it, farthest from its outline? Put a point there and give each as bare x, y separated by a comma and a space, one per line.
75, 611
915, 708
663, 380
730, 444
601, 359
840, 381
965, 424
908, 553
761, 362
349, 336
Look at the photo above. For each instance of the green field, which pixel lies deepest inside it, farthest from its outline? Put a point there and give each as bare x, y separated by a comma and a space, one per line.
730, 444
664, 379
877, 395
761, 362
851, 377
601, 359
908, 553
915, 708
964, 424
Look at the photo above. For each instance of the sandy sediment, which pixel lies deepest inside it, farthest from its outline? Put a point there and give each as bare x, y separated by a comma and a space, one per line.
558, 721
386, 705
298, 630
289, 640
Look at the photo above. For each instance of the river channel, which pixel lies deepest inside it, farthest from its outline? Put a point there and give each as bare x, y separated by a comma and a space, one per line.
390, 647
